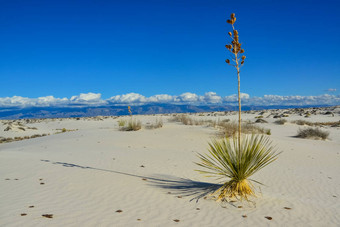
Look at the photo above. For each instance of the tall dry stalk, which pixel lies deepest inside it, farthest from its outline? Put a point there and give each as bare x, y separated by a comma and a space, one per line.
238, 59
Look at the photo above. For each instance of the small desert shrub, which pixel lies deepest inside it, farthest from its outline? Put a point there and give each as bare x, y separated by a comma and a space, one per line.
261, 121
157, 124
261, 116
314, 133
237, 162
132, 125
280, 122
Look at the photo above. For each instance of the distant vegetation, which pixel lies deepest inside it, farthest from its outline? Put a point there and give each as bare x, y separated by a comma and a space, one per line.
63, 130
304, 122
227, 128
18, 138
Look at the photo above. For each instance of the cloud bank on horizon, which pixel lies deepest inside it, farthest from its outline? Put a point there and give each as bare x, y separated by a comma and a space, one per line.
209, 98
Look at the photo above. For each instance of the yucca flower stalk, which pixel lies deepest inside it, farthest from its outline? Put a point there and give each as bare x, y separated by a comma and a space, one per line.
238, 58
130, 112
227, 159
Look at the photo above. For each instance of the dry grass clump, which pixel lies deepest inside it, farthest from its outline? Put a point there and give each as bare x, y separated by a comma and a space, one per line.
132, 125
280, 121
157, 124
303, 122
312, 133
229, 129
186, 120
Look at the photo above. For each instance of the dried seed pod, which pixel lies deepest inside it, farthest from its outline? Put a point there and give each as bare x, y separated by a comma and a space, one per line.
229, 22
242, 51
242, 62
243, 57
232, 15
227, 61
228, 46
229, 33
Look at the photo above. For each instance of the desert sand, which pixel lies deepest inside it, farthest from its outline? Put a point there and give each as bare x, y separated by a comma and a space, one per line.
93, 174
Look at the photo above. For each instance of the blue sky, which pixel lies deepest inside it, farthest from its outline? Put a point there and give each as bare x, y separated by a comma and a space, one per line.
64, 48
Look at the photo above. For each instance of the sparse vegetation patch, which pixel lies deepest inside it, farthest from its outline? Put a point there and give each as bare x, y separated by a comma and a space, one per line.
280, 121
132, 125
312, 133
157, 124
230, 129
18, 138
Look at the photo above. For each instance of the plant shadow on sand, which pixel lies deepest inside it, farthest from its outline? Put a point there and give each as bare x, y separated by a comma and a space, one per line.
174, 185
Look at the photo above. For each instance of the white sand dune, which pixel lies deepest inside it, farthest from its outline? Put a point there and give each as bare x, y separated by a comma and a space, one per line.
84, 177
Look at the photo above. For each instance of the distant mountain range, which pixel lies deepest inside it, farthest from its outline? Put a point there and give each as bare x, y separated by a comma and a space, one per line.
91, 111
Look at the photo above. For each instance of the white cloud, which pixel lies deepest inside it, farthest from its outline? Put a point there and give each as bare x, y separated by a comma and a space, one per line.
269, 100
94, 99
128, 99
161, 98
18, 101
187, 97
331, 90
234, 98
211, 97
89, 97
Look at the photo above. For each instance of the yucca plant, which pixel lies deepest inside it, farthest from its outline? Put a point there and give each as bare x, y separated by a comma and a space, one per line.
228, 160
132, 124
236, 159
